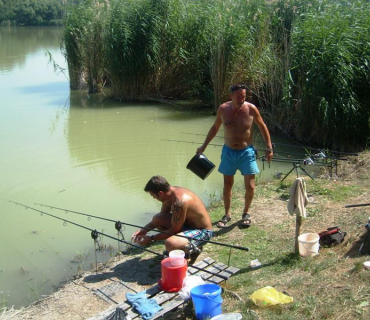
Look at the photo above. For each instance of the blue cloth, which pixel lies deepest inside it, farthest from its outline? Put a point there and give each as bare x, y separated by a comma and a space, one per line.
146, 307
235, 159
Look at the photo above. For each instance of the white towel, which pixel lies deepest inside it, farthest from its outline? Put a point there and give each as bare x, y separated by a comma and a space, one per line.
298, 198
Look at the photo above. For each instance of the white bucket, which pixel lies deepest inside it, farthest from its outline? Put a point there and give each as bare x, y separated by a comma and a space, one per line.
308, 244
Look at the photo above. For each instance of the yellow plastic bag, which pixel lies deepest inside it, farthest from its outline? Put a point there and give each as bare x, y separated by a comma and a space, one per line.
269, 296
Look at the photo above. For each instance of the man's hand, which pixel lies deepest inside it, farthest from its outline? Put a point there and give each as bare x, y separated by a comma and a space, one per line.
135, 235
268, 155
201, 149
143, 240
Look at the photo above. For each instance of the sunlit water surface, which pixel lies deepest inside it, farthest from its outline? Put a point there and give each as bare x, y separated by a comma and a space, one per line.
83, 153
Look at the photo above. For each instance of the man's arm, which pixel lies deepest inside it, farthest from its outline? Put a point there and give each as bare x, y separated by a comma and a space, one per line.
165, 208
179, 209
264, 132
212, 131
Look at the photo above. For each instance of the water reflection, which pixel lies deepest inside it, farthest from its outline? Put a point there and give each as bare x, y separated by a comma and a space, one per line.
128, 142
17, 43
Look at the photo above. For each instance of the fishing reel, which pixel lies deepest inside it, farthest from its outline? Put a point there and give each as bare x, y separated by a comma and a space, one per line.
308, 162
118, 226
320, 155
367, 225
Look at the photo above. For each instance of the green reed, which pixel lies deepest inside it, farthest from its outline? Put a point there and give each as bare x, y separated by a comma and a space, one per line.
305, 63
84, 39
330, 72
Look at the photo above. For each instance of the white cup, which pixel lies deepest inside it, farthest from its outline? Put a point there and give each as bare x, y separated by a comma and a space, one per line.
177, 257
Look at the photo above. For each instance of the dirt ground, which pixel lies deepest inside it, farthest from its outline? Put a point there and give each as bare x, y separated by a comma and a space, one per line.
93, 292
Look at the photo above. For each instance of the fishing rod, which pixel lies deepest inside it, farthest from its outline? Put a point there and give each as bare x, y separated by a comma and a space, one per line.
95, 235
357, 205
136, 226
321, 155
260, 141
221, 145
210, 144
306, 162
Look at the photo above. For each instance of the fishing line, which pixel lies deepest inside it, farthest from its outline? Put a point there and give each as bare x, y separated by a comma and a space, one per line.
24, 270
136, 226
58, 255
95, 234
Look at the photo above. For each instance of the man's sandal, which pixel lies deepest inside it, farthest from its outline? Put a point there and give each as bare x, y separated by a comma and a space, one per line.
225, 220
246, 221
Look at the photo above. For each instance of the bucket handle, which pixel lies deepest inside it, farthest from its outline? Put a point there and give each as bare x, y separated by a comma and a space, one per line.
311, 251
210, 298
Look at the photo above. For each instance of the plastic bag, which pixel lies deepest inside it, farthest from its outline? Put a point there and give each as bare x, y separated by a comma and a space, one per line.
189, 283
269, 296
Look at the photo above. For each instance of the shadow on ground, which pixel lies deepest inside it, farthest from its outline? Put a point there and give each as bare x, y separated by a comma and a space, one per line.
143, 271
363, 243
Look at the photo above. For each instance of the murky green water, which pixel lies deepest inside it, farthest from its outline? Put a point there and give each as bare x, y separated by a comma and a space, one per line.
79, 152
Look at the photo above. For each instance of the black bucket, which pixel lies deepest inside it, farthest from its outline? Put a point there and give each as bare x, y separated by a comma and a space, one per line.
201, 166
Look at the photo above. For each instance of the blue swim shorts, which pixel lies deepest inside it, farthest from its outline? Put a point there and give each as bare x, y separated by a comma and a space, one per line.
243, 160
199, 236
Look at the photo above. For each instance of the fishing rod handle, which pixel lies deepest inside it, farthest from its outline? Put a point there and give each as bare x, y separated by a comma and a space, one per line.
357, 205
240, 248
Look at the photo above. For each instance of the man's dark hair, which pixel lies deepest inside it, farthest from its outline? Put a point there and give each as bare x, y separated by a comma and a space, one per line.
156, 184
238, 86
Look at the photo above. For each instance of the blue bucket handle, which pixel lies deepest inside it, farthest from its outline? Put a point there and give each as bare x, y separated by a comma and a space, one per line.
210, 298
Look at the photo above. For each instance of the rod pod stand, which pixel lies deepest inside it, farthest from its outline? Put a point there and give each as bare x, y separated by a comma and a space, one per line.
95, 235
118, 226
296, 166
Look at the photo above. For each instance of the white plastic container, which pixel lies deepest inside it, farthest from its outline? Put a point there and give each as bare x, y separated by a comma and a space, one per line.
228, 316
177, 257
308, 244
367, 264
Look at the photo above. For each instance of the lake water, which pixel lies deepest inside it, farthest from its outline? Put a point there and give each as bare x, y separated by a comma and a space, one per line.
84, 153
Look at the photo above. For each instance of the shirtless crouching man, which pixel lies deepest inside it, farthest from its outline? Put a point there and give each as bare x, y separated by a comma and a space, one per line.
182, 213
238, 153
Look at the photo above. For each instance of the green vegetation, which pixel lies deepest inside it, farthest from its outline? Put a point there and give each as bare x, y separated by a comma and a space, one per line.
306, 64
331, 285
31, 12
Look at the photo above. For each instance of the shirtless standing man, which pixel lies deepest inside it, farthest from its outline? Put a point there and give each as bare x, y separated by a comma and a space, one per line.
238, 116
182, 213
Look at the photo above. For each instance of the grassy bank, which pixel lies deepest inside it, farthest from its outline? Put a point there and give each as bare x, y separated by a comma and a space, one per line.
332, 285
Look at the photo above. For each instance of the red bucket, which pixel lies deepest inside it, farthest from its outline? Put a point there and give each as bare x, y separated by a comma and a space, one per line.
172, 276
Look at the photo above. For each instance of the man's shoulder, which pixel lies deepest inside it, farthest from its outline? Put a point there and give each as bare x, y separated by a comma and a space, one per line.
224, 105
250, 106
184, 194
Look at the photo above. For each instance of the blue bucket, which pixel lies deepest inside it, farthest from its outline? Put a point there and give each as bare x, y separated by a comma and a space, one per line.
207, 300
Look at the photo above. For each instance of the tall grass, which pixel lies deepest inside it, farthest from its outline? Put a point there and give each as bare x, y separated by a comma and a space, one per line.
330, 72
84, 44
71, 45
134, 46
306, 63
